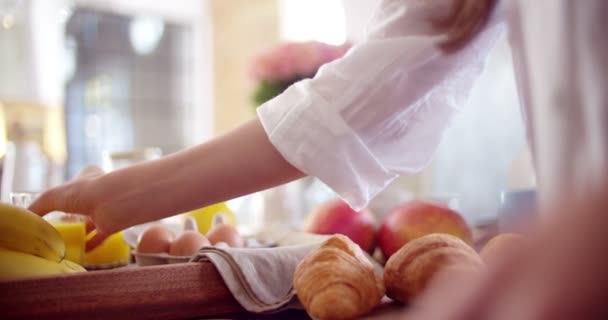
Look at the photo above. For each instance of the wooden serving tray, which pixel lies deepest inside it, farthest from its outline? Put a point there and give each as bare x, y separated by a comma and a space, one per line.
177, 291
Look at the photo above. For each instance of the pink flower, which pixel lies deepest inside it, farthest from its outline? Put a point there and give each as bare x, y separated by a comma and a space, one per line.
306, 58
263, 69
293, 60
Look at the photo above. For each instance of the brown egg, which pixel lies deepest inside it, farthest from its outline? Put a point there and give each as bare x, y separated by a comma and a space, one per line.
225, 233
155, 239
188, 243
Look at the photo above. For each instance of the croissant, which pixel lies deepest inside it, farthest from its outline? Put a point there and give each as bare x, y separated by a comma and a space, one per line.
337, 281
410, 270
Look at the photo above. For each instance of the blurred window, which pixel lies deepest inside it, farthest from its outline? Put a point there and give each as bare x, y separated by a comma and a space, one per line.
320, 20
132, 85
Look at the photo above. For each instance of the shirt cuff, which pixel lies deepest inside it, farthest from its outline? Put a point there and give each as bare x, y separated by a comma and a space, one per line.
313, 137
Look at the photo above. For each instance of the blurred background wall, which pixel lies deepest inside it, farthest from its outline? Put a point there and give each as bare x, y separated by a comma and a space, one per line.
240, 30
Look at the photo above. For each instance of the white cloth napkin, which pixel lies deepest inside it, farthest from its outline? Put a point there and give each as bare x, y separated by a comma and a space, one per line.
260, 279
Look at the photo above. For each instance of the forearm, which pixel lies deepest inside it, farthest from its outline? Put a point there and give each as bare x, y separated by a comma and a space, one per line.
239, 163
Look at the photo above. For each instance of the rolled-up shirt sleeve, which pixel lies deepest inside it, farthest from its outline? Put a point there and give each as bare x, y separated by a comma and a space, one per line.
379, 111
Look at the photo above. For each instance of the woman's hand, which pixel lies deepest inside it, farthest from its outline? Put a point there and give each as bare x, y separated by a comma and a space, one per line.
81, 196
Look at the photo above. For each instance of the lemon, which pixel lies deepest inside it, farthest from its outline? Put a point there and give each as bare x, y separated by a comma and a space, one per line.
114, 250
204, 216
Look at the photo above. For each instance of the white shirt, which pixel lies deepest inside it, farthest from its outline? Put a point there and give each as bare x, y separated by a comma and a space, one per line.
380, 111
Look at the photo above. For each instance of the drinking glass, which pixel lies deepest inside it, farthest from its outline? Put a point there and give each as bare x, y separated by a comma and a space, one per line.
23, 199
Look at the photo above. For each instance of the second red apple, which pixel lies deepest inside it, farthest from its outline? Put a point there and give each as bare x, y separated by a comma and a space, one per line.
416, 219
336, 216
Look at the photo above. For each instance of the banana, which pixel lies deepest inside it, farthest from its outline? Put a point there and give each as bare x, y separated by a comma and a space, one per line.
18, 265
24, 231
71, 266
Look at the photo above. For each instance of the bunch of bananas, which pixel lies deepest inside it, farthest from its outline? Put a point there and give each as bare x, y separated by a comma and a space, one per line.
30, 246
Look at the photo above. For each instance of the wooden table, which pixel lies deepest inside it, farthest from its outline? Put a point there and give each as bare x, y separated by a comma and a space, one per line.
177, 291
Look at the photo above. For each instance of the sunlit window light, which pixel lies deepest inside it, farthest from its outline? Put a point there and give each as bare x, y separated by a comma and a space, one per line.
8, 21
320, 20
145, 33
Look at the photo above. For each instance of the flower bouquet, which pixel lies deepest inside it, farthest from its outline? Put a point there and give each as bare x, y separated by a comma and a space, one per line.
281, 66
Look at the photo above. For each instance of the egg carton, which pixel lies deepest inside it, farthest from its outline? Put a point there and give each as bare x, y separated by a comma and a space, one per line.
148, 259
151, 259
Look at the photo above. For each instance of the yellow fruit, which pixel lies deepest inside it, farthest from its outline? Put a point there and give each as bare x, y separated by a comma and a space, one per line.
73, 234
71, 266
204, 216
18, 265
24, 231
114, 250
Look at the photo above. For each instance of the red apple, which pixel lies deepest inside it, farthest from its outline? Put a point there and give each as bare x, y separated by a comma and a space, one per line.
336, 216
416, 219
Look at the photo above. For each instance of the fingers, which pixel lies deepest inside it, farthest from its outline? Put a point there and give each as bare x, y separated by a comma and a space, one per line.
65, 198
51, 201
97, 239
89, 225
45, 203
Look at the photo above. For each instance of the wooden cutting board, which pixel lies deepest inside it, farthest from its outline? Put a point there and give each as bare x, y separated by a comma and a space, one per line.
177, 291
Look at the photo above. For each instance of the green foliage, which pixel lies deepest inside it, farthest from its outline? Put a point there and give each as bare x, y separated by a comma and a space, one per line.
267, 90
